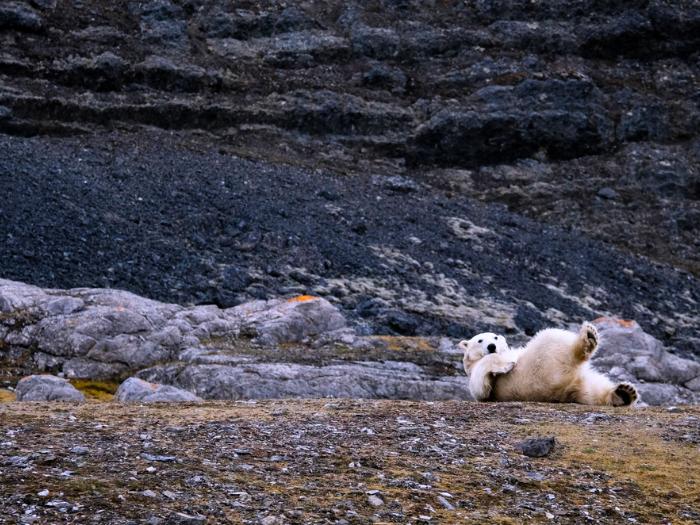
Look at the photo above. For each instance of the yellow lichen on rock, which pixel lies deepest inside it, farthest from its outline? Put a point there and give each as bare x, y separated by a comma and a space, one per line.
96, 390
6, 396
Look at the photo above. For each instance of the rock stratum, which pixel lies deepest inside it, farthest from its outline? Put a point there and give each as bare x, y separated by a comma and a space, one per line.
301, 347
432, 168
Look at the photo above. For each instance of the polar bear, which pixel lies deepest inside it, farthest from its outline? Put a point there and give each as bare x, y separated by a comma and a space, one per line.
553, 367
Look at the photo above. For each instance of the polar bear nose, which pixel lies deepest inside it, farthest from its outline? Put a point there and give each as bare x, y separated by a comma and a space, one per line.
491, 348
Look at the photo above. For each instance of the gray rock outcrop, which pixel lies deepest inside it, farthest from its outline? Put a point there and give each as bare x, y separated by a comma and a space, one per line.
384, 380
47, 388
627, 353
135, 390
300, 347
102, 333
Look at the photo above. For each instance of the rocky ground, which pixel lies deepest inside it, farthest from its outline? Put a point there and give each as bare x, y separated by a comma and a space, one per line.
346, 462
434, 168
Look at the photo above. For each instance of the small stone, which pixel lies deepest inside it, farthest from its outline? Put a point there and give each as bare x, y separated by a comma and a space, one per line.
17, 461
149, 494
170, 494
272, 520
152, 457
79, 450
375, 500
537, 447
151, 470
443, 501
608, 193
180, 518
549, 515
43, 494
673, 409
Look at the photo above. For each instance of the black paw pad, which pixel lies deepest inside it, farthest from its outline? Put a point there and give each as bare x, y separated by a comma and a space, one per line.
626, 393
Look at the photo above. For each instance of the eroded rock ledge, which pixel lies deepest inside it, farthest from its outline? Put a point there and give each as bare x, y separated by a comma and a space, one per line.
298, 347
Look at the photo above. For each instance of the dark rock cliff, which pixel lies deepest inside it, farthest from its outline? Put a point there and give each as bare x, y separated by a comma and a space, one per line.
431, 167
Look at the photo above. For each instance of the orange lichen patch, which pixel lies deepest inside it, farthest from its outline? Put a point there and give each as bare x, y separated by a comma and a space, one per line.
625, 323
406, 343
6, 396
302, 298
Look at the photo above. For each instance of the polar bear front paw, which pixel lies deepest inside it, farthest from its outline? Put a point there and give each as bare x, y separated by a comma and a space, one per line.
624, 394
588, 339
504, 368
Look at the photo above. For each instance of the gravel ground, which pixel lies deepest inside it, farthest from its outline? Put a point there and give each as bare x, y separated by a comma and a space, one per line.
340, 462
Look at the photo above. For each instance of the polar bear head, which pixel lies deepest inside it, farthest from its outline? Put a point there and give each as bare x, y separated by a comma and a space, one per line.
483, 344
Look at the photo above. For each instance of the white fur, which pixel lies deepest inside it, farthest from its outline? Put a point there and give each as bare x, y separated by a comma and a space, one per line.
552, 367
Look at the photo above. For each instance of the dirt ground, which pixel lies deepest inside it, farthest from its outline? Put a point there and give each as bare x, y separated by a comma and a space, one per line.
346, 461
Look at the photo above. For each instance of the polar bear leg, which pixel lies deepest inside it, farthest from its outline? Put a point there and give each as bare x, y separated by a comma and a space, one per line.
596, 389
586, 342
483, 374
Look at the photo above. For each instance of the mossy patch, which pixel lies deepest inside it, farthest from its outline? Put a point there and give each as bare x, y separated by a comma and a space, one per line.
96, 390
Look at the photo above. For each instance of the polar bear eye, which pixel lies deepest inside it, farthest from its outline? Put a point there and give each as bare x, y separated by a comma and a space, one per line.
496, 337
481, 340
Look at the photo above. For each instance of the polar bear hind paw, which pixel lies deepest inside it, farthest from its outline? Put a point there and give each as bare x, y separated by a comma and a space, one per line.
624, 394
588, 339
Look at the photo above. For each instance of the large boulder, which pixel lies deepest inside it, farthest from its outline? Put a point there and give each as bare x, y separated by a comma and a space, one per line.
564, 118
135, 390
368, 380
47, 388
293, 320
19, 16
627, 353
103, 333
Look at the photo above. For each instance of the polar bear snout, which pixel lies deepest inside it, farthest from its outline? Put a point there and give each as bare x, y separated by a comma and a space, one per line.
491, 348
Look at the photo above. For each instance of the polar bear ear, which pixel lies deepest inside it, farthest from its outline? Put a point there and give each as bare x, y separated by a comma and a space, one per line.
463, 344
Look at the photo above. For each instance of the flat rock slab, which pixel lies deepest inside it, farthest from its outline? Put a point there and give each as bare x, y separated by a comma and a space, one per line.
47, 388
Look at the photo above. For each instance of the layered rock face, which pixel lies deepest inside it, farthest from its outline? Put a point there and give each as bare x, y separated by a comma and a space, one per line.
429, 168
300, 347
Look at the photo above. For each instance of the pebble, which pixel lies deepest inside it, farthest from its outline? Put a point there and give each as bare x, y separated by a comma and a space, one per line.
152, 457
608, 193
180, 518
375, 500
43, 494
537, 447
442, 501
149, 494
79, 450
272, 520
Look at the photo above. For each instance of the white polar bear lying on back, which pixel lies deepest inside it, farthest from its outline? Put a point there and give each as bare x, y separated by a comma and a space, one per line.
553, 367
